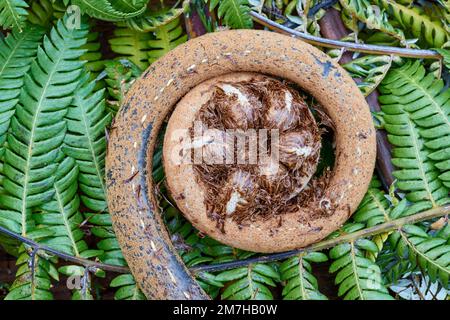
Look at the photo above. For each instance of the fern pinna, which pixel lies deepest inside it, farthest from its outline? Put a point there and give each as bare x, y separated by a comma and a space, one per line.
416, 111
301, 284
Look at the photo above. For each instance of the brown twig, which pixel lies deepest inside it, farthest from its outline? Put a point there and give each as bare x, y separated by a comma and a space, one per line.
326, 244
350, 46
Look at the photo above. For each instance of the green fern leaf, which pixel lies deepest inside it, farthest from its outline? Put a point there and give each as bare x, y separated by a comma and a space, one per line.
427, 104
365, 12
41, 12
300, 282
154, 20
445, 53
13, 14
127, 288
249, 283
85, 141
120, 75
167, 37
430, 254
37, 128
131, 45
16, 54
370, 69
235, 13
93, 55
109, 10
417, 23
358, 277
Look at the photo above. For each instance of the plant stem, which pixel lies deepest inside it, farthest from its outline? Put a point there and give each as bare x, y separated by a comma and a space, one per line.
329, 243
350, 46
326, 244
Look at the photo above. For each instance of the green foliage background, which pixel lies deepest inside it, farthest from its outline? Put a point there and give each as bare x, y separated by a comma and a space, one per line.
61, 87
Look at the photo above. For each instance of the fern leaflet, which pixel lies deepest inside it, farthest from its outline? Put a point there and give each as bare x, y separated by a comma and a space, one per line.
13, 14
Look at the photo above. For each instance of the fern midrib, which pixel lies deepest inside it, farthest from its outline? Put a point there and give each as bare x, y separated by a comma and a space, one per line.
92, 151
14, 15
66, 222
379, 205
417, 85
238, 12
418, 252
421, 170
355, 270
250, 282
303, 293
31, 145
13, 52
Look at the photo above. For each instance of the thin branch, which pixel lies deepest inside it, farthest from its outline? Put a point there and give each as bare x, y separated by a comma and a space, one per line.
67, 257
326, 244
350, 46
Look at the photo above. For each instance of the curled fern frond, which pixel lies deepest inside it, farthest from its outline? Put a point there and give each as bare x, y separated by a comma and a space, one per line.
235, 13
111, 10
249, 283
417, 23
13, 14
16, 54
85, 141
131, 45
300, 282
426, 103
167, 37
358, 277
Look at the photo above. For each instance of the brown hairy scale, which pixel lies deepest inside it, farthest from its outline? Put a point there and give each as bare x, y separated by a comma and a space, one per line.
246, 192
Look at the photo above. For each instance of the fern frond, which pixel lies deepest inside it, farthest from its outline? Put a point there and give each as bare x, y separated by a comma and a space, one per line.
41, 12
112, 254
371, 70
93, 55
154, 20
167, 37
17, 51
131, 45
33, 277
235, 13
249, 283
417, 23
127, 288
358, 277
120, 75
38, 127
427, 104
300, 282
13, 14
365, 12
109, 10
430, 254
85, 141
